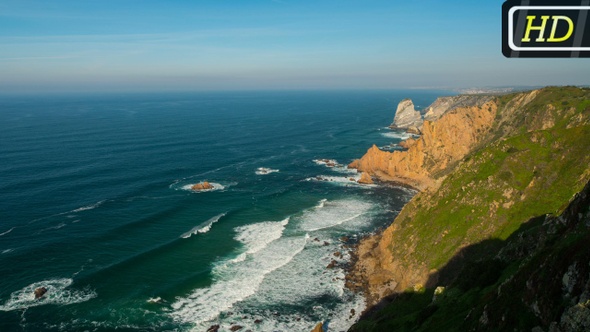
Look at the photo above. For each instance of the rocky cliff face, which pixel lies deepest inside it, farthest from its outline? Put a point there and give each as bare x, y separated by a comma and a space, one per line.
444, 104
443, 143
494, 178
406, 116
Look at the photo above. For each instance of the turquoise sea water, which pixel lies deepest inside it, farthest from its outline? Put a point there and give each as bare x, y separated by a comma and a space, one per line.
96, 207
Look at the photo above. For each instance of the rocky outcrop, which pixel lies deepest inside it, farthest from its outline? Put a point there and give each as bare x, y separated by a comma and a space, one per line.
202, 186
39, 292
406, 116
497, 208
443, 143
365, 179
444, 104
318, 328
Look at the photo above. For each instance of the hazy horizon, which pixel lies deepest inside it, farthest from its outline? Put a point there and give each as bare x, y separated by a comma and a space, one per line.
132, 46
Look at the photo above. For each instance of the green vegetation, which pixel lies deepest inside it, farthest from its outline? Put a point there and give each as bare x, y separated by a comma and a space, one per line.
485, 231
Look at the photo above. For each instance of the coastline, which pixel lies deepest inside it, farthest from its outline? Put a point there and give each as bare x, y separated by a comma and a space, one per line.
483, 172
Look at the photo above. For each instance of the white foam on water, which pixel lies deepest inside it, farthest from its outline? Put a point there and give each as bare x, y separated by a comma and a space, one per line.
265, 171
326, 162
238, 280
343, 181
335, 213
279, 303
321, 204
257, 236
6, 251
87, 207
80, 209
204, 227
216, 187
57, 293
8, 231
397, 135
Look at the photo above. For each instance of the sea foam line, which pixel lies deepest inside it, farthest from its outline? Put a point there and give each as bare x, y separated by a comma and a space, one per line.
87, 207
203, 227
80, 209
8, 231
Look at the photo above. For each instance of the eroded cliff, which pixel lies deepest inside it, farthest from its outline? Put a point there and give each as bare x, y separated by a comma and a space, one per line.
487, 173
442, 144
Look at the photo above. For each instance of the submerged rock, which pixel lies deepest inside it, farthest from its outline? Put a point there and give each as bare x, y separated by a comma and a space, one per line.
236, 328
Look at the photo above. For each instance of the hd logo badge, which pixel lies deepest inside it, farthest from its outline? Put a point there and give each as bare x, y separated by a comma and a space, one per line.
546, 29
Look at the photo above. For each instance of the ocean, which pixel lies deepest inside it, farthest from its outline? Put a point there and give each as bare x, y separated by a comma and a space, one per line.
96, 207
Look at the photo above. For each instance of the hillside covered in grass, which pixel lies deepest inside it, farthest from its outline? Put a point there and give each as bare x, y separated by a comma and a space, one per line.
501, 230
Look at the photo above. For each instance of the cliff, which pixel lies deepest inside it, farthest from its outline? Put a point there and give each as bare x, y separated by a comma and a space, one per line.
498, 181
406, 116
442, 143
443, 104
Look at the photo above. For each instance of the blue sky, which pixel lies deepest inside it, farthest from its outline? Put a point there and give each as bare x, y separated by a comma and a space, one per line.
253, 44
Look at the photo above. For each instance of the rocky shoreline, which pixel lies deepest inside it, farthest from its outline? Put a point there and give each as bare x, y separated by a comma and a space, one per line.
483, 166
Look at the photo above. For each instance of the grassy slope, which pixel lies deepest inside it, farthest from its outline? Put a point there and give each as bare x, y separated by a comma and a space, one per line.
534, 162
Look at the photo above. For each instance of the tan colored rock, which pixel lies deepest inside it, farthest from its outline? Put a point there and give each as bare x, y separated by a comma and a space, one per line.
318, 328
202, 186
443, 143
365, 179
407, 143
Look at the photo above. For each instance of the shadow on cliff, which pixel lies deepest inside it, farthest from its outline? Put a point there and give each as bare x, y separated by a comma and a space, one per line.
467, 278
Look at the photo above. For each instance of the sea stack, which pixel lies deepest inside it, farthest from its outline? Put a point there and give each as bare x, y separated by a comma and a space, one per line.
406, 116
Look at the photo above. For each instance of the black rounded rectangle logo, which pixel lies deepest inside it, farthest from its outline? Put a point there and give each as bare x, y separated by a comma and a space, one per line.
547, 29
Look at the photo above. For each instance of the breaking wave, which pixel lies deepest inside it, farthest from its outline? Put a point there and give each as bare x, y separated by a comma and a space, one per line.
204, 227
236, 280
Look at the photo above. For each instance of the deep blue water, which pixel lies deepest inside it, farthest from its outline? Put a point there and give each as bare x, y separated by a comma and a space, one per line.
95, 207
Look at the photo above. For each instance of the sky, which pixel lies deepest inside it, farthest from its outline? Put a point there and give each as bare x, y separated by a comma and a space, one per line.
182, 45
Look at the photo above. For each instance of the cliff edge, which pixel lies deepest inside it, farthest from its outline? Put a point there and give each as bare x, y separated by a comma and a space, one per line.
498, 181
443, 143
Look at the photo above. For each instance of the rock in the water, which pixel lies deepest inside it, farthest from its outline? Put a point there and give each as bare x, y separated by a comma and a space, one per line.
236, 328
213, 328
318, 328
332, 264
258, 321
202, 186
39, 292
365, 178
406, 116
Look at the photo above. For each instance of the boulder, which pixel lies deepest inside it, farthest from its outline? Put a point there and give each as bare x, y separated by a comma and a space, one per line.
236, 328
202, 186
332, 264
39, 292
